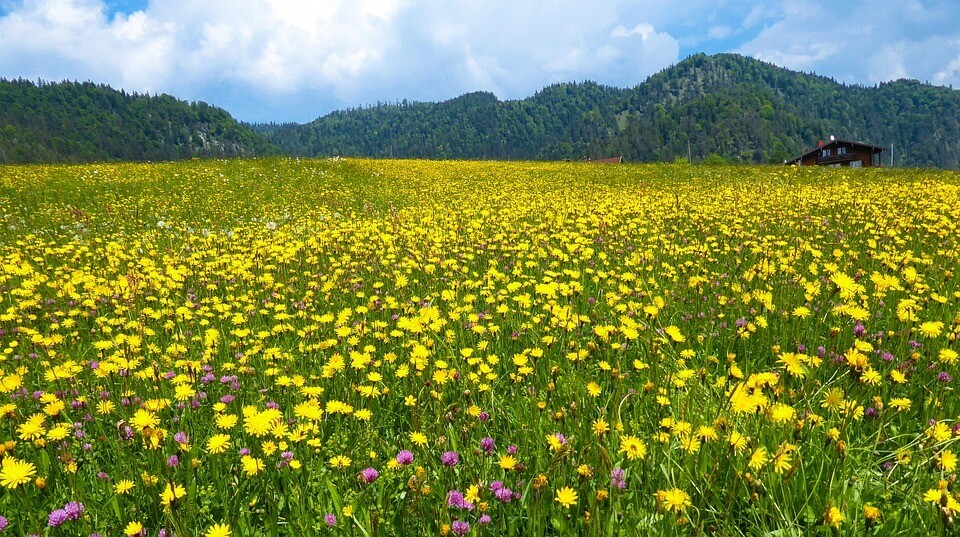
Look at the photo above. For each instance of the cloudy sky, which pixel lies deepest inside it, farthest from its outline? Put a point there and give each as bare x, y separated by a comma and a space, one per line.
293, 60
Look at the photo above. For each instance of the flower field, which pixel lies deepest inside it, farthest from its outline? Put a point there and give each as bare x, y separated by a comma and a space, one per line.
349, 347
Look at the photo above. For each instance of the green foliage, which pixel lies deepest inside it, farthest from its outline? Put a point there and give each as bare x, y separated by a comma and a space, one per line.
85, 122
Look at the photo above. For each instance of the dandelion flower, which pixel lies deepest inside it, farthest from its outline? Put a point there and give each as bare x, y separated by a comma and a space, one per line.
218, 530
834, 517
948, 460
418, 438
508, 462
123, 486
633, 447
171, 494
759, 459
340, 461
600, 427
673, 500
16, 472
251, 465
674, 333
566, 497
931, 329
133, 528
218, 443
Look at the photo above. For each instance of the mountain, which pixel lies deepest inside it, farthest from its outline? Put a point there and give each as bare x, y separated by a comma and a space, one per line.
84, 122
720, 108
723, 107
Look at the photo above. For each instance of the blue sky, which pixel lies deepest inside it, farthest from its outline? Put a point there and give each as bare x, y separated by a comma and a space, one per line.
294, 60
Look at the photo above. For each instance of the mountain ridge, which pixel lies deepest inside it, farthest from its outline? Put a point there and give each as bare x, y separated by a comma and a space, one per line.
71, 122
718, 108
724, 107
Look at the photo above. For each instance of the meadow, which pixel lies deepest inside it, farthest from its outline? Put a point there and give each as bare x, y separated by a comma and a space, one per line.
360, 347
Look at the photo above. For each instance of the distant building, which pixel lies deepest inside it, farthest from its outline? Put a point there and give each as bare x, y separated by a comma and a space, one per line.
838, 153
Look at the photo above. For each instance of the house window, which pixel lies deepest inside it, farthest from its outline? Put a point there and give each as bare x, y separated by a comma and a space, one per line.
856, 164
826, 152
841, 150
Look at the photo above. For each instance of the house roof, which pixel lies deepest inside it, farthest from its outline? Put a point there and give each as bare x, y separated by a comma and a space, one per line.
838, 142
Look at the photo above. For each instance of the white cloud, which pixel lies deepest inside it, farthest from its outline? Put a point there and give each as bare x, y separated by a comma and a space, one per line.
719, 32
296, 59
331, 53
864, 41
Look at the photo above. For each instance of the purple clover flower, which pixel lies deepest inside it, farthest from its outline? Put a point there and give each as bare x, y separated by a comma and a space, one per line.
450, 458
369, 475
618, 478
56, 517
487, 445
405, 457
330, 519
455, 499
461, 527
74, 510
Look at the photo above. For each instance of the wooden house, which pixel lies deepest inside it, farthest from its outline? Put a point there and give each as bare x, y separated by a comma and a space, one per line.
837, 153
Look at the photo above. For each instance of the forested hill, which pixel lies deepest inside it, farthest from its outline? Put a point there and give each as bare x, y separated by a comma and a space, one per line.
84, 122
724, 107
721, 107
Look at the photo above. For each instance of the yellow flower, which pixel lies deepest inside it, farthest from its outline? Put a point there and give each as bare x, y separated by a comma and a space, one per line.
226, 421
473, 494
673, 500
340, 461
507, 462
690, 444
418, 438
218, 443
218, 530
600, 427
123, 486
931, 329
759, 459
948, 460
706, 433
144, 419
674, 334
15, 472
133, 528
33, 428
737, 441
633, 447
171, 494
251, 465
566, 497
833, 517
